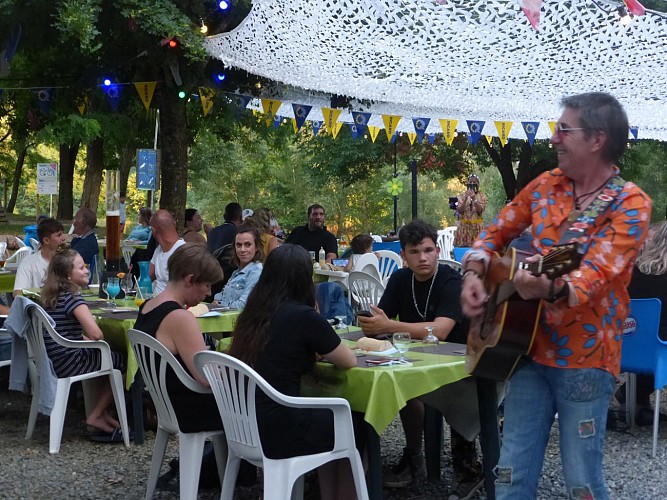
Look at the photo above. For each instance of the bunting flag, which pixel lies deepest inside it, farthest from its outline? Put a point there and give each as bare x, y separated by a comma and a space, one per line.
390, 124
361, 121
44, 99
420, 124
317, 125
277, 121
412, 136
448, 129
82, 103
113, 95
393, 137
146, 90
431, 138
206, 95
336, 129
489, 139
531, 8
635, 132
530, 128
552, 127
354, 131
300, 114
475, 127
503, 129
241, 102
270, 108
374, 131
330, 118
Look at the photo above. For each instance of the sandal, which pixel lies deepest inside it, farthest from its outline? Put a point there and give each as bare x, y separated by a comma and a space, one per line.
116, 436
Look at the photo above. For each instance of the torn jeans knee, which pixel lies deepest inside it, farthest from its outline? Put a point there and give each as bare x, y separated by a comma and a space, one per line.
581, 493
587, 428
503, 475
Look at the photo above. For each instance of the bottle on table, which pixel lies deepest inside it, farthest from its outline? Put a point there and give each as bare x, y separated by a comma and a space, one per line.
323, 258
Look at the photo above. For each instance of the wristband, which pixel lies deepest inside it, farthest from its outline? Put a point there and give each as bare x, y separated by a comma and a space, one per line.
471, 271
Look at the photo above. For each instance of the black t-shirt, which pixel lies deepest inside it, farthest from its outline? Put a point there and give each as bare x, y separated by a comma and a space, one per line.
649, 286
313, 240
221, 235
445, 300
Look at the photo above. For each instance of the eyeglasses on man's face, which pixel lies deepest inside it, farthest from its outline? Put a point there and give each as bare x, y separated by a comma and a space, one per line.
561, 131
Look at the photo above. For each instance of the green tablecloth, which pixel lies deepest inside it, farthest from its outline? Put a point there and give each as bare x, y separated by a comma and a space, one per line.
7, 281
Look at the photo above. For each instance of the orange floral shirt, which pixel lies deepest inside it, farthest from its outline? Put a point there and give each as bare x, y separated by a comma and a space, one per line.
587, 335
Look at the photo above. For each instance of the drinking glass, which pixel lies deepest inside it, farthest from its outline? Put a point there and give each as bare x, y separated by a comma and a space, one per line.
104, 286
341, 323
3, 258
430, 341
402, 344
113, 289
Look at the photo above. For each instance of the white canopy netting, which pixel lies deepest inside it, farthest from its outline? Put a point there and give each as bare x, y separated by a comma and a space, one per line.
453, 59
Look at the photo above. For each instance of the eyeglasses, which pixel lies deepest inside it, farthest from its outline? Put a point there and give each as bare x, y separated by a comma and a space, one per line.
563, 131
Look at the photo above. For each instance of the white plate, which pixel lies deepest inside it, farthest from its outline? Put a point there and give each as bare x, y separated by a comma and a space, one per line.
387, 352
210, 314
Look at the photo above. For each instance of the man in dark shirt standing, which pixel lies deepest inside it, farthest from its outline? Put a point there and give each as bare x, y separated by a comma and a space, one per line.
224, 234
314, 235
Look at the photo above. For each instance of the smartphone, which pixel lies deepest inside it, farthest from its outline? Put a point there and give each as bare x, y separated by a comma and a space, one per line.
365, 314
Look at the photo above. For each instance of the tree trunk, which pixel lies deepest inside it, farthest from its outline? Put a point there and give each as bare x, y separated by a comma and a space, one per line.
94, 170
18, 171
503, 161
174, 145
68, 153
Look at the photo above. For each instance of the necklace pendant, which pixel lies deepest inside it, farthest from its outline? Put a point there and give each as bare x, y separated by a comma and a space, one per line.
574, 215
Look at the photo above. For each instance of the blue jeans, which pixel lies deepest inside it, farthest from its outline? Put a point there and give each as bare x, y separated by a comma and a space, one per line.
536, 393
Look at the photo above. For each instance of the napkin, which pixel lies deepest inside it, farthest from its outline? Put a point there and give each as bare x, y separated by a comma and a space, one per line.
386, 352
210, 314
198, 310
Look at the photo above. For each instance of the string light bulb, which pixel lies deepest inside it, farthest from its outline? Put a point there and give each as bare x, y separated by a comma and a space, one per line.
203, 29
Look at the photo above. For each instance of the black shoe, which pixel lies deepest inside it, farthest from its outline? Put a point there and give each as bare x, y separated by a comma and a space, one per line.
412, 466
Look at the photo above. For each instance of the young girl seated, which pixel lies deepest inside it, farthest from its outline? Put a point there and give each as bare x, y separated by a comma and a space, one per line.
361, 244
61, 298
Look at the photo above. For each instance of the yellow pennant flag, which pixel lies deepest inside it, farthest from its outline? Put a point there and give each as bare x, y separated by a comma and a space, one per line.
489, 139
503, 129
145, 91
336, 128
552, 127
330, 118
270, 107
390, 124
295, 126
412, 136
82, 104
448, 129
206, 96
374, 131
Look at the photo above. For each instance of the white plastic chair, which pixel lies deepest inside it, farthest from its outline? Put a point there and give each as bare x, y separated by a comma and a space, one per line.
20, 242
367, 263
376, 237
446, 241
39, 324
127, 254
153, 359
365, 290
234, 384
388, 263
34, 244
15, 259
453, 264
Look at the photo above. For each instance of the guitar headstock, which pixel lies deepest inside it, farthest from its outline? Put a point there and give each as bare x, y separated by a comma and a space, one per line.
561, 260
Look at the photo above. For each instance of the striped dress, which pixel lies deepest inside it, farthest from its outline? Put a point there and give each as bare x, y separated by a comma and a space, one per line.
69, 362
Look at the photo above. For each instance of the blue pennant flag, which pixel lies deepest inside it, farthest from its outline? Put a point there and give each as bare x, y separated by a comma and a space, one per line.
317, 124
113, 95
530, 128
44, 99
421, 124
361, 121
277, 121
635, 132
300, 114
354, 131
241, 102
475, 127
431, 138
393, 137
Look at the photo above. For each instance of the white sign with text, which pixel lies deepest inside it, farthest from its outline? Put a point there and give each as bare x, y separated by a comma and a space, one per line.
47, 178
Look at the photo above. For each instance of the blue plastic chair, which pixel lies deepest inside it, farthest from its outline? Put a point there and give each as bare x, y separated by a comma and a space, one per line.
644, 352
459, 252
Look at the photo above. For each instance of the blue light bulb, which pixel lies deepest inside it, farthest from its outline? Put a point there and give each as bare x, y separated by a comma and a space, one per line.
220, 77
224, 5
107, 82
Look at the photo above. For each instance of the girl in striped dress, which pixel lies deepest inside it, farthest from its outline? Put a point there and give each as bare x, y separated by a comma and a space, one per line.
61, 298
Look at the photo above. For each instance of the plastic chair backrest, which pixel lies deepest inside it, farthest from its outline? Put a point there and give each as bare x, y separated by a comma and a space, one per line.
459, 253
15, 259
153, 359
643, 351
367, 263
446, 241
35, 244
388, 262
453, 264
366, 290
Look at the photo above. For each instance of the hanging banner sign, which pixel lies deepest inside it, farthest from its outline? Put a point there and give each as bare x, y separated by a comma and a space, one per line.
317, 125
145, 91
353, 131
300, 114
270, 107
530, 128
82, 104
552, 127
489, 139
390, 124
421, 124
361, 121
475, 127
374, 131
635, 132
44, 99
448, 129
330, 118
206, 96
113, 95
431, 138
47, 178
146, 169
412, 136
336, 129
503, 129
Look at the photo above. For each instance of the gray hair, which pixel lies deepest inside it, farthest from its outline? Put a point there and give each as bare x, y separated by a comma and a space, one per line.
653, 256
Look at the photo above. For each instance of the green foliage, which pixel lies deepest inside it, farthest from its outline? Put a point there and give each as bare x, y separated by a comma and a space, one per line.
644, 164
77, 19
70, 128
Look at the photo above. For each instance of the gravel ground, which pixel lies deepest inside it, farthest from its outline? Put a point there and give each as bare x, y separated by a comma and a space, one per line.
84, 469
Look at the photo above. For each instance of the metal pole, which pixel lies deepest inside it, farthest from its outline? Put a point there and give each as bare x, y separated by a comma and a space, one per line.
413, 168
395, 197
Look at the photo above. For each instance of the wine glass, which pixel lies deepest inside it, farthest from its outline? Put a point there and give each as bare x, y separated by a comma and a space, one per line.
402, 344
104, 286
3, 258
341, 323
113, 289
430, 341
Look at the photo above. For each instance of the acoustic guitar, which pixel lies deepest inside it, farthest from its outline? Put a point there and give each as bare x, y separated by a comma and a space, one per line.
498, 338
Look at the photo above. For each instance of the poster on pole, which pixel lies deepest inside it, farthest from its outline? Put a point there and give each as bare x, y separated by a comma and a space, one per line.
146, 169
47, 178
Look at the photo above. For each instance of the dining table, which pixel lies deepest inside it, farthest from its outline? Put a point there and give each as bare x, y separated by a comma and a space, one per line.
321, 275
7, 279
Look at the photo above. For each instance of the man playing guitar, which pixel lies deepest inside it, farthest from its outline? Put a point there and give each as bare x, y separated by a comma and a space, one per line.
575, 356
